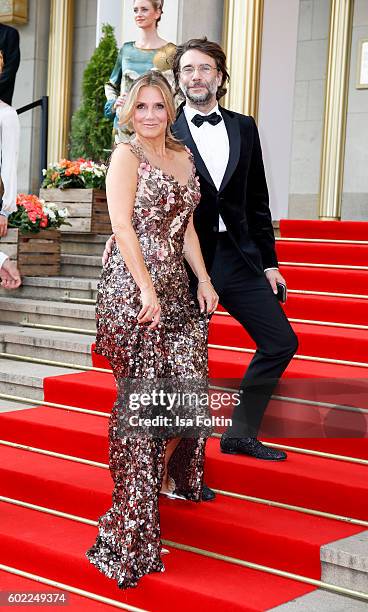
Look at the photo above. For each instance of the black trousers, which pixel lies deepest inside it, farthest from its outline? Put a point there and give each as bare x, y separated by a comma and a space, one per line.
250, 300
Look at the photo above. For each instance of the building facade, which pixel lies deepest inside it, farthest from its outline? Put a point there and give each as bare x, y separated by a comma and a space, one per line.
298, 66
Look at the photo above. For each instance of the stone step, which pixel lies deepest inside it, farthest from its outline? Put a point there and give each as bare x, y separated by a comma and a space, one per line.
21, 310
44, 344
7, 406
53, 288
82, 244
81, 266
322, 601
26, 379
345, 562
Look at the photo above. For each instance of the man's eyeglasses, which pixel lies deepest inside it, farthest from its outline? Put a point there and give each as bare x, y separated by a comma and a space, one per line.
202, 69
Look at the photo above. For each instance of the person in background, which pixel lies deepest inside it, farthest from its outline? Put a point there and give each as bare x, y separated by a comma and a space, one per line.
9, 273
9, 146
9, 47
148, 52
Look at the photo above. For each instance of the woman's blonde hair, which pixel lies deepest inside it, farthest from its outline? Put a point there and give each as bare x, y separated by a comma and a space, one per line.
158, 4
152, 78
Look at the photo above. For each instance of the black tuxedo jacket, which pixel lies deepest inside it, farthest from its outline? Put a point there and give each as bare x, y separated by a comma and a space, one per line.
9, 45
242, 199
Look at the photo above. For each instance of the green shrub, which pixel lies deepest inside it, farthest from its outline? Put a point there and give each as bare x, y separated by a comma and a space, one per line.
91, 132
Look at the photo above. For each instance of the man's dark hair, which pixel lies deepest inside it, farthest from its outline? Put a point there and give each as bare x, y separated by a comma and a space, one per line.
209, 48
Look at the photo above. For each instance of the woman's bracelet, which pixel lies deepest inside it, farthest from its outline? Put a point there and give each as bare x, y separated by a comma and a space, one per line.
208, 280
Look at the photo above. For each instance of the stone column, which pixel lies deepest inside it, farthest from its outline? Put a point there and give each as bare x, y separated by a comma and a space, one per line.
199, 18
242, 40
333, 145
60, 76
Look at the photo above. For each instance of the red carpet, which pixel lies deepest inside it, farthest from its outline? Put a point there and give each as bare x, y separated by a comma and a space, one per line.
11, 584
326, 279
314, 340
54, 547
323, 253
287, 540
335, 230
326, 308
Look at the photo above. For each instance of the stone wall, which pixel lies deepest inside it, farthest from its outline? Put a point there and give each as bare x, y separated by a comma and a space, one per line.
85, 20
199, 18
309, 95
355, 189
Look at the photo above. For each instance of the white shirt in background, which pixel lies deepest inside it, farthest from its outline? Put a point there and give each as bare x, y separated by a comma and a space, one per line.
9, 147
3, 258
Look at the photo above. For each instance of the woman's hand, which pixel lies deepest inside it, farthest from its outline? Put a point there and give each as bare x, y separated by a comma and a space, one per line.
207, 297
151, 309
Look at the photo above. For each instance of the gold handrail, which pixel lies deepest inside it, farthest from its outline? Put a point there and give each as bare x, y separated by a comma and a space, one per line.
292, 400
238, 349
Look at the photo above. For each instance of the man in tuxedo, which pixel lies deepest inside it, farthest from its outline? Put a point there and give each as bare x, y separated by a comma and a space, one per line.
234, 226
9, 47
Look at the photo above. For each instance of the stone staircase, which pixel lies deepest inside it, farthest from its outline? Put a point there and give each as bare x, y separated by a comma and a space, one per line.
67, 301
62, 301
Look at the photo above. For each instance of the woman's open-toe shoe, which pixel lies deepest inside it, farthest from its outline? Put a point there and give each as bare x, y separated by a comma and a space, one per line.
171, 491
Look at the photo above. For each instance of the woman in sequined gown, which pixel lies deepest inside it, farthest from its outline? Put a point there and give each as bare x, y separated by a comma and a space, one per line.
149, 326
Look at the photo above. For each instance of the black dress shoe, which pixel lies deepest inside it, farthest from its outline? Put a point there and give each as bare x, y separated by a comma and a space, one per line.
251, 447
207, 493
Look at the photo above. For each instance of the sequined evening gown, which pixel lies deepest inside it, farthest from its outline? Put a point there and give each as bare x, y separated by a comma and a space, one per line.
128, 543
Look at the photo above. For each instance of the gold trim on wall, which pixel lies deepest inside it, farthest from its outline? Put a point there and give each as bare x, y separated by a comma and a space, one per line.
242, 42
59, 77
334, 129
14, 11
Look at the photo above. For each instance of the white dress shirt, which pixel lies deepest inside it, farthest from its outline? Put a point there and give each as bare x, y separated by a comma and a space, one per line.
9, 146
3, 258
213, 146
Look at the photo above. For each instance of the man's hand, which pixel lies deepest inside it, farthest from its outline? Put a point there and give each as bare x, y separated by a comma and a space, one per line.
3, 225
120, 101
274, 276
108, 249
9, 274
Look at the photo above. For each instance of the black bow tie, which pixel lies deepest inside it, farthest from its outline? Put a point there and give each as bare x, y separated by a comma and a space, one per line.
213, 119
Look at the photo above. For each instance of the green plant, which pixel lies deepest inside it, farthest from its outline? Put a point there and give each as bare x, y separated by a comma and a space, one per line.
90, 131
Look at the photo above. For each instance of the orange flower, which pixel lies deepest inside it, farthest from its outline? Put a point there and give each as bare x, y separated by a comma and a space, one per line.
64, 163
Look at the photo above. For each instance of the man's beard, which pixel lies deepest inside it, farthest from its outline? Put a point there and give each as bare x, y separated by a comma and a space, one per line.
200, 99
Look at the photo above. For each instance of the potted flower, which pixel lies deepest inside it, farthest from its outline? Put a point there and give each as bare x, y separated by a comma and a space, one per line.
79, 185
33, 237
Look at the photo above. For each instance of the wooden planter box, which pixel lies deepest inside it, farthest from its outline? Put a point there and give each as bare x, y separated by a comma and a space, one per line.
87, 209
36, 254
